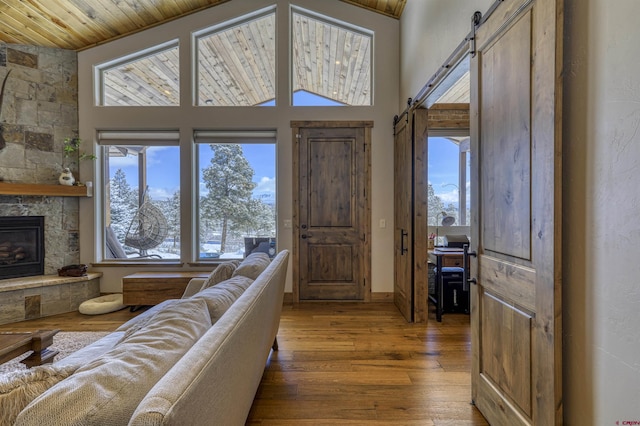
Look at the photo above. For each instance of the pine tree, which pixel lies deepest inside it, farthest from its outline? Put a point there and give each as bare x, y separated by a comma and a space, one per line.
436, 206
229, 182
171, 209
123, 202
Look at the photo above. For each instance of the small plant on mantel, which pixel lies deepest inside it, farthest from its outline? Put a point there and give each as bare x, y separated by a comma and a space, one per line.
71, 152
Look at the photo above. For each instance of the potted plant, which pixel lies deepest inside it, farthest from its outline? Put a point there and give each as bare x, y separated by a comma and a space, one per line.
72, 156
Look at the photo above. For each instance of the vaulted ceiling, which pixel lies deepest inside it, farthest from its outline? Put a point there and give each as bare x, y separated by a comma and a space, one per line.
80, 24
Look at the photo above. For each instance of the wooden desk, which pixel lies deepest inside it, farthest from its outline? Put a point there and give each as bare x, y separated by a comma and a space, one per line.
446, 256
151, 288
443, 257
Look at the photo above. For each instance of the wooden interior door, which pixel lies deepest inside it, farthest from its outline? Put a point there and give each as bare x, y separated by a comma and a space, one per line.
516, 228
332, 211
411, 286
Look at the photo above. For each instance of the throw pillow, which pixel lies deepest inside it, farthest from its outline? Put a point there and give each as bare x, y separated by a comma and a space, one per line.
18, 389
223, 271
253, 265
221, 296
108, 389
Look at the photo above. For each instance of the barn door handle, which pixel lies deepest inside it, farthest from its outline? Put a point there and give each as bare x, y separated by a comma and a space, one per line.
403, 248
465, 249
304, 236
466, 267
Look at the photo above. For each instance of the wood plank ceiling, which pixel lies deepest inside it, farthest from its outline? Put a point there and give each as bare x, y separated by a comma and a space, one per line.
80, 24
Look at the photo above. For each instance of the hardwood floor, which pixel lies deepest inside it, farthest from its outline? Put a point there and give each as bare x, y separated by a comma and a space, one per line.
347, 363
363, 364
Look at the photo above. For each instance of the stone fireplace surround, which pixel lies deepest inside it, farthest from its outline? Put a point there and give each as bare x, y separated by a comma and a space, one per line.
39, 110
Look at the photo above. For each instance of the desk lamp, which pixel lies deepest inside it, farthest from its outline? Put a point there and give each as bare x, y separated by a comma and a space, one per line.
447, 220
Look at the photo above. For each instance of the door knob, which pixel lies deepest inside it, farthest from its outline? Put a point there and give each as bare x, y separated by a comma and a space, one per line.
472, 281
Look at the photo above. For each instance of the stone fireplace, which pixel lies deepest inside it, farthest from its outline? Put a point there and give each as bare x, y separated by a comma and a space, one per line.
40, 110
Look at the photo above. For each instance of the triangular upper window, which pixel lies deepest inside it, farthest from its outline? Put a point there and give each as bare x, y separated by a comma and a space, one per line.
148, 78
330, 59
236, 62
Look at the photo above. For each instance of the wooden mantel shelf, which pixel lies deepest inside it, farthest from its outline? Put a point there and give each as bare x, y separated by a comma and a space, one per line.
42, 189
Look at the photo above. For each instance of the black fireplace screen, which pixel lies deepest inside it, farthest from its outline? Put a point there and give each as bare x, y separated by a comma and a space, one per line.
21, 246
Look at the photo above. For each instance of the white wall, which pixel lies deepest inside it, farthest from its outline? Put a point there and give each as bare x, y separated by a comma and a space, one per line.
386, 60
601, 222
430, 31
601, 201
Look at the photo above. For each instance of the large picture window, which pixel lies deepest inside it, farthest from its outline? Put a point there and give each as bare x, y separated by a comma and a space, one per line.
236, 194
142, 195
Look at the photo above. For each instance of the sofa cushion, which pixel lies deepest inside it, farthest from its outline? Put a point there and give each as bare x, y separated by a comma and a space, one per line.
253, 265
19, 388
223, 271
142, 318
108, 389
221, 296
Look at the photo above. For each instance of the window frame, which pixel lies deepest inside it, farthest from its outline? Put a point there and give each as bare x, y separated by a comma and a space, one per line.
463, 156
347, 26
98, 71
243, 137
107, 138
224, 26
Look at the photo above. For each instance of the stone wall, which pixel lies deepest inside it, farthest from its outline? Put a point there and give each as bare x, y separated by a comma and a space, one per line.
39, 110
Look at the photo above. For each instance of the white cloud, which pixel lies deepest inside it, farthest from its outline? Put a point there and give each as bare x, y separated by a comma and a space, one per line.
266, 185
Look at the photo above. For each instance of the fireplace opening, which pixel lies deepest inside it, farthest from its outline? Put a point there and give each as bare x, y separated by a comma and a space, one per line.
21, 246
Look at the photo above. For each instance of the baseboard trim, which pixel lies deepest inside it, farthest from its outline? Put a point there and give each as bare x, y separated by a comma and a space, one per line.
378, 297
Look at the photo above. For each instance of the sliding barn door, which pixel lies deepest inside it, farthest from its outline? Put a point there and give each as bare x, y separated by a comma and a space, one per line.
410, 288
516, 229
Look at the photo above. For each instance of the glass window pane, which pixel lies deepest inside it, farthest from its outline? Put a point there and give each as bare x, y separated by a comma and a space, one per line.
146, 80
236, 64
142, 200
237, 199
443, 189
331, 61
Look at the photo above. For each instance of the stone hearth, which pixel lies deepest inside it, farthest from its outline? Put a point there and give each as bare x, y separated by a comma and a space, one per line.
44, 295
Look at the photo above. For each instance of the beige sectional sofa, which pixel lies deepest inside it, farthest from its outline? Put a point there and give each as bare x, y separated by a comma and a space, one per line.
192, 361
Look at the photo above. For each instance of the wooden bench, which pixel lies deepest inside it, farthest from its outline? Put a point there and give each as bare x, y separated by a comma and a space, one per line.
151, 288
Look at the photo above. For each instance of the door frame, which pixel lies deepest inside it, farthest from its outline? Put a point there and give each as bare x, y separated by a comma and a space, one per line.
295, 216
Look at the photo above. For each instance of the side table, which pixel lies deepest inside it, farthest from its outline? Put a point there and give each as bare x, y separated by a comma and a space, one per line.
16, 344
